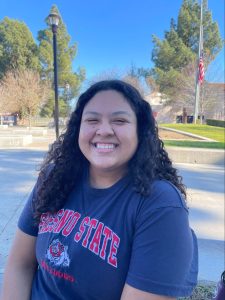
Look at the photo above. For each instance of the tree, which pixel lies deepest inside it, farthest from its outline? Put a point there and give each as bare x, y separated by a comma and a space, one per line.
171, 52
133, 77
188, 28
179, 47
66, 53
17, 47
136, 82
24, 92
211, 97
4, 105
48, 108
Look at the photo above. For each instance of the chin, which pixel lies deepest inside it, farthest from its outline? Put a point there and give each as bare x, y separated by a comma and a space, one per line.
106, 167
103, 167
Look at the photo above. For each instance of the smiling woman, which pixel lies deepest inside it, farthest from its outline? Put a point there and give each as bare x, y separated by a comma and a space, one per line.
108, 140
107, 218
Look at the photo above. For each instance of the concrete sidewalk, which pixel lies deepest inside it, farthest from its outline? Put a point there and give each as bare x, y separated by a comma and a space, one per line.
206, 201
18, 175
205, 190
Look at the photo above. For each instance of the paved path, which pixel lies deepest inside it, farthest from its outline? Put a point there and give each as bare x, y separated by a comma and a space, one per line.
205, 190
17, 176
206, 201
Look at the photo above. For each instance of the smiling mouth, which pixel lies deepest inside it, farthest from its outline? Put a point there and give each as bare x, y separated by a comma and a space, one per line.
105, 146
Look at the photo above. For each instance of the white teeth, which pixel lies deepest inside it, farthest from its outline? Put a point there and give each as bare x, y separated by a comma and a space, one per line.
105, 146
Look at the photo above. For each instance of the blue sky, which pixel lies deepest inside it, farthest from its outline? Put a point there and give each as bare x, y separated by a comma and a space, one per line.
112, 34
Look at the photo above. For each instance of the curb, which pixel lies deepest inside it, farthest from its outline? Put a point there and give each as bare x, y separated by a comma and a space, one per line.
196, 155
176, 154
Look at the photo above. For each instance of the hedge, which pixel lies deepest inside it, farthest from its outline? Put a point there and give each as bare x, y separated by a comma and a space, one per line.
204, 291
218, 123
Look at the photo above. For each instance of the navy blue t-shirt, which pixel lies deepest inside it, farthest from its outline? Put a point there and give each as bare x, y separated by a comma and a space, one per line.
104, 238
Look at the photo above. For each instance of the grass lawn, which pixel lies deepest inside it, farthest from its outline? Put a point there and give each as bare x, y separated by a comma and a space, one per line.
197, 144
215, 133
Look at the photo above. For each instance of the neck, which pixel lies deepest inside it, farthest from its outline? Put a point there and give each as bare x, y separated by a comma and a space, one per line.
100, 179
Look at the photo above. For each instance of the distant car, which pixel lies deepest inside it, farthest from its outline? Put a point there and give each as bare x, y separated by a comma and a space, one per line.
8, 120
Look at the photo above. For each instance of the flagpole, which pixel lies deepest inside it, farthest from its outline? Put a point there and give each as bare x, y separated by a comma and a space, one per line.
200, 49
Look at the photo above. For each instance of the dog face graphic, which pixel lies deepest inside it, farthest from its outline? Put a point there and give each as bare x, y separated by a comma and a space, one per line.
57, 254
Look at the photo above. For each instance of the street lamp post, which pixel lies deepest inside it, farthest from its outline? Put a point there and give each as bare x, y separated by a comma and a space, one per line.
54, 22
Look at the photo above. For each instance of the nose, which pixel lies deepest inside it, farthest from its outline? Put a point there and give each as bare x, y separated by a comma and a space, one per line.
105, 129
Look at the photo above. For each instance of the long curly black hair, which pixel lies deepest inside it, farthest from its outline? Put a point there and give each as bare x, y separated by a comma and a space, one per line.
65, 162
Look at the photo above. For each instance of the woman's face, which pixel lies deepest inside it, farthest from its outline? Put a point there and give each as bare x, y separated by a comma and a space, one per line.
108, 132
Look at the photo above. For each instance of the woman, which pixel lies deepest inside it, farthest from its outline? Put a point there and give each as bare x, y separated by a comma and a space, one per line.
107, 218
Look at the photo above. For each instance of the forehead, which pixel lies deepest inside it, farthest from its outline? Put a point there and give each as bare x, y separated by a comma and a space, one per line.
108, 101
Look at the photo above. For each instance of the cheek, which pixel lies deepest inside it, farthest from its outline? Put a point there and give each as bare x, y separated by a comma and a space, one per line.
82, 142
85, 135
129, 138
134, 140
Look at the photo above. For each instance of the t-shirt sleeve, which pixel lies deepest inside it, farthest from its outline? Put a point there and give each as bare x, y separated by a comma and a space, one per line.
26, 221
164, 252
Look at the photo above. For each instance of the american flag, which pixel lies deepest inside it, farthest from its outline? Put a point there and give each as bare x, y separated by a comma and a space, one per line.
201, 72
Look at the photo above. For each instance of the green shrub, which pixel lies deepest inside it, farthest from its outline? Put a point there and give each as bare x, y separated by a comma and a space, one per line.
202, 292
218, 123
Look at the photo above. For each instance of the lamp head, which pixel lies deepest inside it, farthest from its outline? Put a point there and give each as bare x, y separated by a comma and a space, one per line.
54, 19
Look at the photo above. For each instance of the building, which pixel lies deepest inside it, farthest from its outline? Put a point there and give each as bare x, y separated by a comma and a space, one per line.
214, 101
211, 104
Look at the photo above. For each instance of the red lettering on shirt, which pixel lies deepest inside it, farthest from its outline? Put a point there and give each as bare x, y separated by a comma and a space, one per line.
92, 234
71, 224
57, 217
57, 273
95, 243
112, 259
107, 232
92, 224
43, 225
82, 228
65, 217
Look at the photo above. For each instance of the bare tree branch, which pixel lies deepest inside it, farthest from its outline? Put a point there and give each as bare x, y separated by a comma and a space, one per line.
23, 91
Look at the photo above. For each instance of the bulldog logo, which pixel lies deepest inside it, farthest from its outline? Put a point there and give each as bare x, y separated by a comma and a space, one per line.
57, 254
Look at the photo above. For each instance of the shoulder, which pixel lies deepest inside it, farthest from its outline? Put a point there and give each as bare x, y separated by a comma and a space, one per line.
164, 194
46, 170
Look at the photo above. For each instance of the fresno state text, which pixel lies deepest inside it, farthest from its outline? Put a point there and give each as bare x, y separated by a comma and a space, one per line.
91, 233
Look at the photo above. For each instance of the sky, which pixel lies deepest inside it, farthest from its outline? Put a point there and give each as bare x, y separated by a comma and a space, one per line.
112, 35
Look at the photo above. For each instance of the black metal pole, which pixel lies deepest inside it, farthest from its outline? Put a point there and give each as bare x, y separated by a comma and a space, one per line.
56, 112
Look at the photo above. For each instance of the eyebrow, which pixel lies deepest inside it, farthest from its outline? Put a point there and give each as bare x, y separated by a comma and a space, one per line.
120, 112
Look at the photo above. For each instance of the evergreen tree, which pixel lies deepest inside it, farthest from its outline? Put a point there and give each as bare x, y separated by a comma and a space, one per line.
188, 28
179, 47
17, 47
48, 108
171, 52
66, 53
